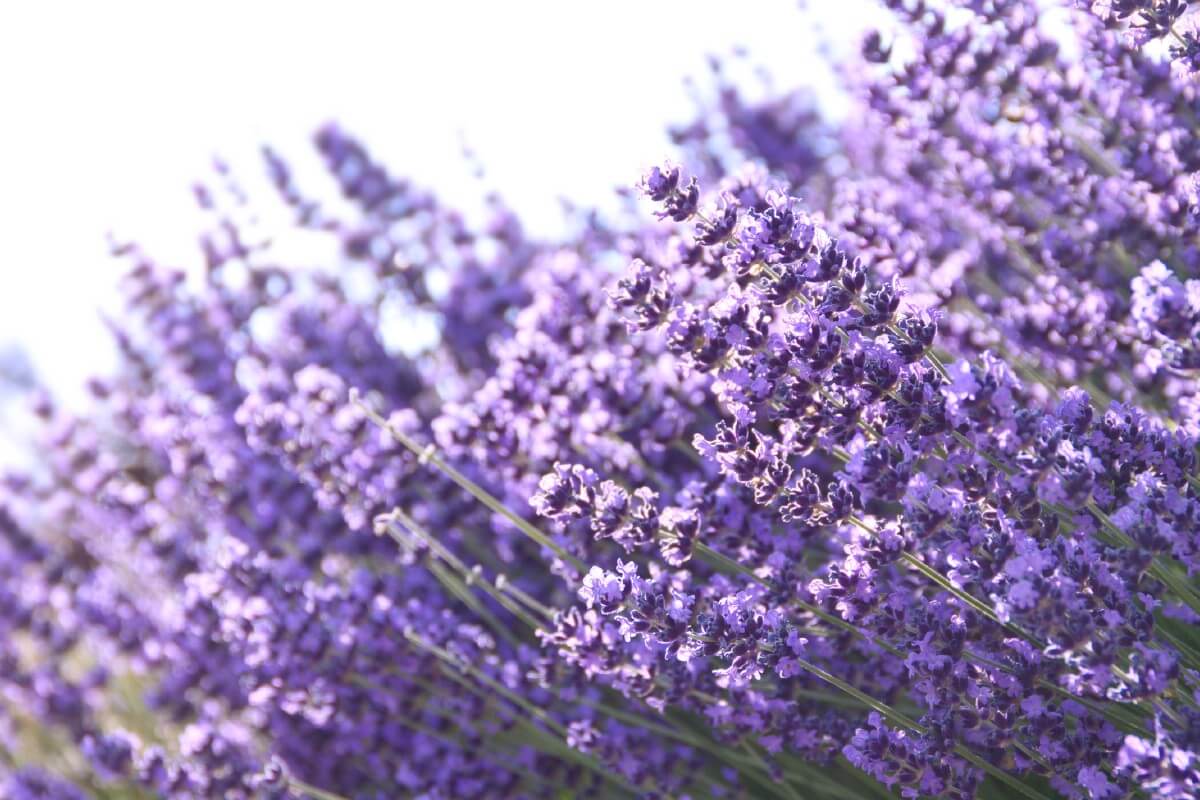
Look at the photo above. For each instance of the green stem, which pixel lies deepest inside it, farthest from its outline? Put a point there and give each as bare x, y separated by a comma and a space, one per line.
312, 791
516, 699
429, 454
469, 576
966, 597
899, 719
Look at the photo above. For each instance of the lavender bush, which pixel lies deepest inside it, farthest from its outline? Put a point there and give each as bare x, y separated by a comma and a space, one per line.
859, 461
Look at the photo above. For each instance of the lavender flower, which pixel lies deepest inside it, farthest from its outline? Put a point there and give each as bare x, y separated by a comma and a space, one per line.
867, 468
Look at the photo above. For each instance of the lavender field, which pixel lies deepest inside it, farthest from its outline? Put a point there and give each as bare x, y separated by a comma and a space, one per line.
850, 451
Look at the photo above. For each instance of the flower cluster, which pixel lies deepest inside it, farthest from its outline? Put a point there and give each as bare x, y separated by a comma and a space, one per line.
865, 462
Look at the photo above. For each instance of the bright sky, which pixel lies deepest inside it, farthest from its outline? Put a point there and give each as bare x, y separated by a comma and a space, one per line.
111, 110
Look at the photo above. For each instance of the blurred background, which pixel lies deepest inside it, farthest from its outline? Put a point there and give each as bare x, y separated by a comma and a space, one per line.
112, 111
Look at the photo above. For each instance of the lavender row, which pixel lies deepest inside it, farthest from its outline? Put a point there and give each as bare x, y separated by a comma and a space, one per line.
865, 466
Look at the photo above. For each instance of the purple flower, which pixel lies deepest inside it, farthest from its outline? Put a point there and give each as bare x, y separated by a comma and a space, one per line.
897, 407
